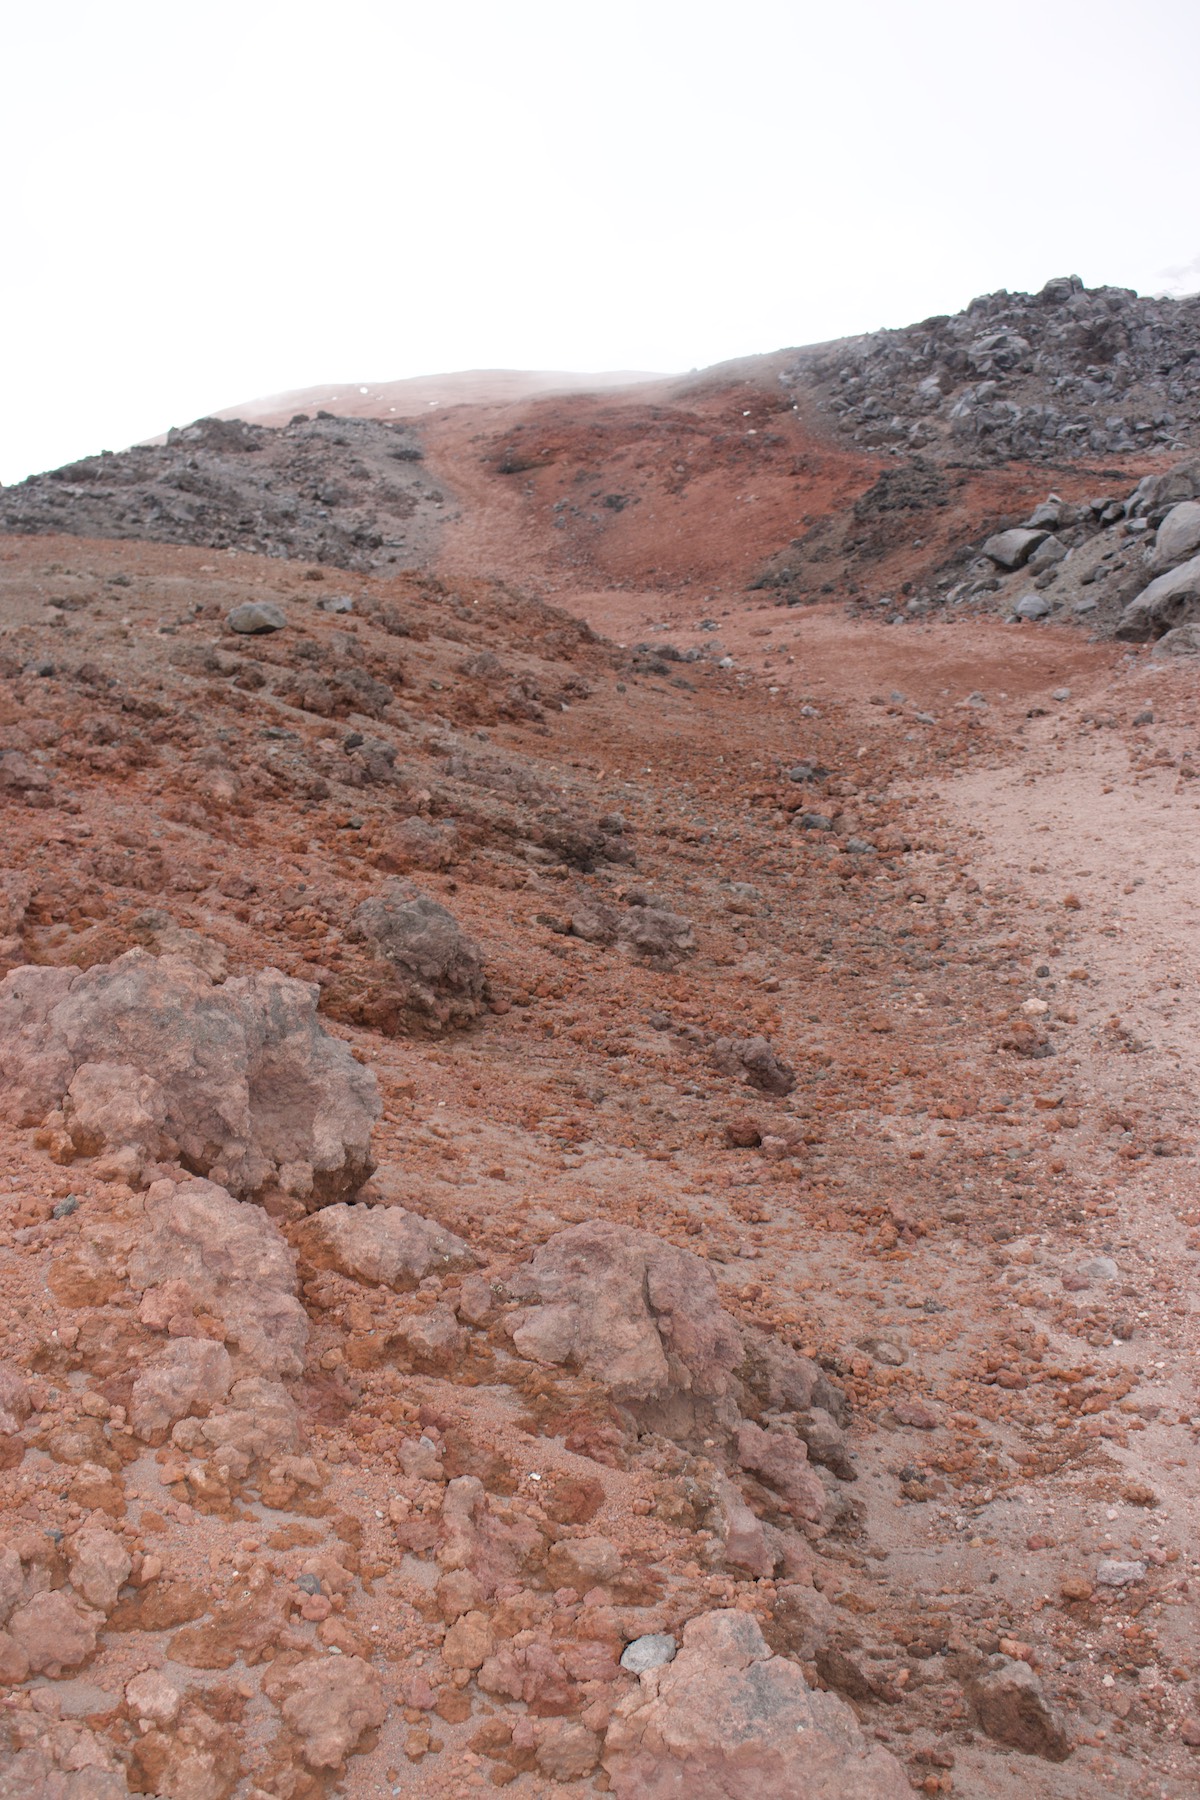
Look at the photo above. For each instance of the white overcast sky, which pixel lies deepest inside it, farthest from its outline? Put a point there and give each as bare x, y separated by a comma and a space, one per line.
208, 202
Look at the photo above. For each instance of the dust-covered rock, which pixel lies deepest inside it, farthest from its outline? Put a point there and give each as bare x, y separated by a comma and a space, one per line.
1011, 1707
727, 1717
435, 971
641, 1316
1168, 602
329, 1704
55, 1631
206, 1255
189, 1376
239, 1081
382, 1245
753, 1061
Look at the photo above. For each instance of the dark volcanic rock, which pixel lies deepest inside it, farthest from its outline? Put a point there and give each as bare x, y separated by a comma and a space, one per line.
1068, 372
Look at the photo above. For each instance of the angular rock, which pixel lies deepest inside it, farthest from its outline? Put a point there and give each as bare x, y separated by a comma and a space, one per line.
16, 892
755, 1062
239, 1081
1158, 493
1051, 550
259, 1422
67, 1762
12, 1580
1032, 606
204, 1253
565, 1749
742, 1536
114, 1106
99, 1565
1011, 549
1169, 601
639, 1315
433, 1339
727, 1718
15, 1403
1011, 1707
1111, 1572
436, 969
189, 1376
383, 1245
584, 1563
151, 1695
14, 1667
419, 844
468, 1643
595, 923
161, 935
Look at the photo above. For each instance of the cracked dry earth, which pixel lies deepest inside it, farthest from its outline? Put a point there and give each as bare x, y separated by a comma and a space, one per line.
783, 1221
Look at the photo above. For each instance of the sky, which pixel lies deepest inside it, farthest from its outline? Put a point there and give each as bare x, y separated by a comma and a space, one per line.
208, 203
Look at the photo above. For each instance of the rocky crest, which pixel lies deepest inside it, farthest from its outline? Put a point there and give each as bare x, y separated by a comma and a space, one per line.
1067, 373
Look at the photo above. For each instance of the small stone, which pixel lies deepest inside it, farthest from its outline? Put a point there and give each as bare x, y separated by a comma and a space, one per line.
256, 616
152, 1696
1112, 1573
100, 1564
1075, 1587
743, 1132
649, 1652
915, 1413
1032, 606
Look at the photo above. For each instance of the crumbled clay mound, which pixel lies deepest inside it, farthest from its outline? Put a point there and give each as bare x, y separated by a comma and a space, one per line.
351, 493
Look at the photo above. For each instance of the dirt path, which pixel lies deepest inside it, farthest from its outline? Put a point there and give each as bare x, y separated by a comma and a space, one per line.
1054, 1337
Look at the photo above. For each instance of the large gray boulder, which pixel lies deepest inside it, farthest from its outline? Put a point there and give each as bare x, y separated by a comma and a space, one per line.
256, 616
1178, 537
149, 1060
1012, 549
1170, 600
1155, 493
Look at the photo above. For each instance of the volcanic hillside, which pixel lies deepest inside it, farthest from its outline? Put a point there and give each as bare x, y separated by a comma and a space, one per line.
597, 1172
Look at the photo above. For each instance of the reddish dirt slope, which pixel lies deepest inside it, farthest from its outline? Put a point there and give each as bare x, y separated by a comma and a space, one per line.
976, 1207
